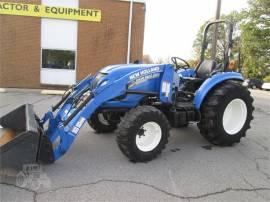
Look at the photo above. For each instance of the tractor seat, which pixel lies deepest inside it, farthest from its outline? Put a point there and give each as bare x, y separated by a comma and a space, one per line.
206, 69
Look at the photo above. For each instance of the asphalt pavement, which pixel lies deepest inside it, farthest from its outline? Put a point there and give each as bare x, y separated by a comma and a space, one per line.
189, 169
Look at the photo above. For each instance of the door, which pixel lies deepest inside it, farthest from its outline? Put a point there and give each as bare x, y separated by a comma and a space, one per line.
58, 47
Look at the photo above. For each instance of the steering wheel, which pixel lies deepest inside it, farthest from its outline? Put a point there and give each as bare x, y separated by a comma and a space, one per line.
178, 66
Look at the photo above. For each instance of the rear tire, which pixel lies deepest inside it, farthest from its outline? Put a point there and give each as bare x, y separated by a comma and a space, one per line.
143, 133
100, 124
226, 114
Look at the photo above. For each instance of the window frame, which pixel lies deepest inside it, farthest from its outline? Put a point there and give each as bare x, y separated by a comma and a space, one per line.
57, 49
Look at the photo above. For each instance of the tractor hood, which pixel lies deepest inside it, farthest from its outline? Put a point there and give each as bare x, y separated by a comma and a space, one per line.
109, 74
118, 71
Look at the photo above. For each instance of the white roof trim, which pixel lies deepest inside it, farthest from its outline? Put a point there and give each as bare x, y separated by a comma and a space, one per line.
135, 1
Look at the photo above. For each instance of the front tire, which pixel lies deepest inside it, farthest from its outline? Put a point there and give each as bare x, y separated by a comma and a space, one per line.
143, 133
100, 124
226, 114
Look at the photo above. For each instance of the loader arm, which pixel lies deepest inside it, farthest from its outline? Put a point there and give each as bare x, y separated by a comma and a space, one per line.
69, 119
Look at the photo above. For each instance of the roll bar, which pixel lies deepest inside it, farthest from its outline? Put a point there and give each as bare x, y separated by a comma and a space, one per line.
228, 45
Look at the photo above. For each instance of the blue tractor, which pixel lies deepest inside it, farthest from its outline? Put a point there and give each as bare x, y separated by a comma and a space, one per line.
141, 102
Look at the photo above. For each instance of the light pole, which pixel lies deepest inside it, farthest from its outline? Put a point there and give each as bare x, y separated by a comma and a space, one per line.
214, 47
129, 30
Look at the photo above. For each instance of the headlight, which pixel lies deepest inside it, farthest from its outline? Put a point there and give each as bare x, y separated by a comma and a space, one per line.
103, 83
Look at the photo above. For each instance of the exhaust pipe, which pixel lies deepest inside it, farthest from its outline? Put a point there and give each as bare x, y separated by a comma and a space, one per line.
23, 140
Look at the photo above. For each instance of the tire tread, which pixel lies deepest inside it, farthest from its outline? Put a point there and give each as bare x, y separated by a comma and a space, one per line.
208, 125
128, 124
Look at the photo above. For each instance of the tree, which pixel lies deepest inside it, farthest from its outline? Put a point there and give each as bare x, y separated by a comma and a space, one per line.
198, 41
147, 59
251, 38
233, 17
255, 38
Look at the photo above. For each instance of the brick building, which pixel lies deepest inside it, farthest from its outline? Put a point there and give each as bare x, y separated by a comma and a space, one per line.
38, 52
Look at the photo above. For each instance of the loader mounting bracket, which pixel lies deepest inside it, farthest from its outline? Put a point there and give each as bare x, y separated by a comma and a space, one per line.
45, 153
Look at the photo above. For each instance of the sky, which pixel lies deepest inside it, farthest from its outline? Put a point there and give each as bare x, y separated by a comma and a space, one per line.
171, 25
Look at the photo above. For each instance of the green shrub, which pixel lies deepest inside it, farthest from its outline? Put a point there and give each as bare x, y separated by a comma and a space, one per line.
267, 78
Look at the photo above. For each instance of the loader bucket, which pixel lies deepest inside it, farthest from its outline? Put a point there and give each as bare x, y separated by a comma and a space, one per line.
22, 138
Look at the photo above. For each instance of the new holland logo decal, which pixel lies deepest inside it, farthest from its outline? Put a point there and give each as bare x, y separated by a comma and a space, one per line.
144, 75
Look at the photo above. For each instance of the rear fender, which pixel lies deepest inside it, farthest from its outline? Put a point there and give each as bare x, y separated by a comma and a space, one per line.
211, 83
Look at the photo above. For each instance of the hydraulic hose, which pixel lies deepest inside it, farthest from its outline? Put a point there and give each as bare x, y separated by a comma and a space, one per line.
80, 107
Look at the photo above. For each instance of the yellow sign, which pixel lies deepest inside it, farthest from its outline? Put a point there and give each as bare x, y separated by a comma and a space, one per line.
8, 8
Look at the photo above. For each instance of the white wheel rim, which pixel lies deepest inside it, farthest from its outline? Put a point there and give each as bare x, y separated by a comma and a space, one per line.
234, 116
102, 119
150, 138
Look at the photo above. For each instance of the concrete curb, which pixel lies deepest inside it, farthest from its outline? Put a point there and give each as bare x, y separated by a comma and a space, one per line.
52, 92
19, 90
3, 90
38, 91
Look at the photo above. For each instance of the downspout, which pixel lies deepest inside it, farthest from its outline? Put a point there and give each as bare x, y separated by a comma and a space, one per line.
129, 31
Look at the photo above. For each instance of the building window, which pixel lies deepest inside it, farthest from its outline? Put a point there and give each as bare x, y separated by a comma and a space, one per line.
58, 59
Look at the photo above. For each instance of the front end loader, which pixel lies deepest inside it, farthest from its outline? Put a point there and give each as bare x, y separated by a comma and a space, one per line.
142, 102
